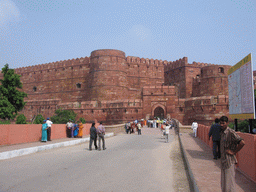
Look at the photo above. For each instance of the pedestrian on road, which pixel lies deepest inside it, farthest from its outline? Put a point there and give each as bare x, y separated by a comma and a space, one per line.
101, 133
80, 131
194, 127
44, 131
139, 128
166, 127
230, 144
93, 137
215, 133
69, 127
49, 130
128, 127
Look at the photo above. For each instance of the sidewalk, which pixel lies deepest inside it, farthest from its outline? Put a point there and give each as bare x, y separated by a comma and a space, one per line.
206, 170
10, 151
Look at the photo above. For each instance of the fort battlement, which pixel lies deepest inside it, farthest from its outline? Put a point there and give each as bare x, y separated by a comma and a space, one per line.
53, 65
111, 87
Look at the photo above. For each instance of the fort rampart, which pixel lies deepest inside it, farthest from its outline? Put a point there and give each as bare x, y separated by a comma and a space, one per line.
106, 85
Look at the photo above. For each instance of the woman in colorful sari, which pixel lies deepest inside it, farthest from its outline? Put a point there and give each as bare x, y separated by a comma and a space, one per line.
80, 131
75, 130
44, 131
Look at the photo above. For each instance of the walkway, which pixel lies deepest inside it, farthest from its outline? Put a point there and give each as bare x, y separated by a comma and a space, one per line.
205, 169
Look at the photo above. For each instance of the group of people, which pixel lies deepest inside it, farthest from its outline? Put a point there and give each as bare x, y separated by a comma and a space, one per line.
157, 122
226, 143
74, 130
95, 133
132, 127
46, 130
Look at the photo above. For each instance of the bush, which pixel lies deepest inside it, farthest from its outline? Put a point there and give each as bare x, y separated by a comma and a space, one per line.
82, 120
5, 122
21, 119
243, 126
63, 116
39, 119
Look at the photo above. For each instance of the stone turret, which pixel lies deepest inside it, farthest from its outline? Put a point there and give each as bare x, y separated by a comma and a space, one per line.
108, 75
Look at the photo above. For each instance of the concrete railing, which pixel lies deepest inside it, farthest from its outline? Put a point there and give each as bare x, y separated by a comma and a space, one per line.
246, 157
17, 133
115, 128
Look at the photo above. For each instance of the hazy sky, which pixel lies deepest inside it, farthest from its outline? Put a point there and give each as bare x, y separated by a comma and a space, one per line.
212, 31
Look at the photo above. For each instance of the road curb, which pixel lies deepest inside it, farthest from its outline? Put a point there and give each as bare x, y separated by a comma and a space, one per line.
26, 151
187, 166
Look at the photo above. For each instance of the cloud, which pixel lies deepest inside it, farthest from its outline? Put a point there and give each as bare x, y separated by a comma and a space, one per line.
8, 12
137, 38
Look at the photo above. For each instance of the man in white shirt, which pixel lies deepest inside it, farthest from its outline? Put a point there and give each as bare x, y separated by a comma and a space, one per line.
69, 126
167, 127
139, 128
194, 127
49, 125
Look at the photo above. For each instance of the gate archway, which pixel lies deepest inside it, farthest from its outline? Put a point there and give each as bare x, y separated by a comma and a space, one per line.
159, 112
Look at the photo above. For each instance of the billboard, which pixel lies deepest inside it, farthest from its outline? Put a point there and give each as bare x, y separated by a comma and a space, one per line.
241, 91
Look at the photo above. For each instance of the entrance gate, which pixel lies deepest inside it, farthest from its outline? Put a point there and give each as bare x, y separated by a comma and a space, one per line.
159, 112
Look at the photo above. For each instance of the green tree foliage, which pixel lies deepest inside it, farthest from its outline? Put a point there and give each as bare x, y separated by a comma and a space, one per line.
62, 116
82, 120
11, 99
5, 122
39, 119
21, 119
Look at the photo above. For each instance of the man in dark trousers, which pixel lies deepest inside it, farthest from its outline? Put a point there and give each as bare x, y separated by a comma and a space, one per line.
101, 133
93, 137
215, 133
49, 125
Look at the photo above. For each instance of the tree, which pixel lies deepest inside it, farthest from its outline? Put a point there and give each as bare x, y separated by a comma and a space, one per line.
21, 119
82, 120
39, 119
63, 116
11, 99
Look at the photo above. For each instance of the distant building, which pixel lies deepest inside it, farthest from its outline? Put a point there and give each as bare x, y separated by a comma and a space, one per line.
113, 88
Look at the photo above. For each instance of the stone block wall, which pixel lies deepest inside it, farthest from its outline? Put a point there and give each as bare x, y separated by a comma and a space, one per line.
110, 87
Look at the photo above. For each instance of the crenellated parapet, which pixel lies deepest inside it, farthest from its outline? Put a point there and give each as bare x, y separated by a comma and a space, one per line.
176, 64
54, 65
147, 61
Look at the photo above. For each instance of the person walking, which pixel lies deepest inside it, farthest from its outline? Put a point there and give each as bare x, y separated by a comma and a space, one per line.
215, 133
194, 127
93, 137
49, 129
230, 144
101, 133
139, 128
166, 128
44, 131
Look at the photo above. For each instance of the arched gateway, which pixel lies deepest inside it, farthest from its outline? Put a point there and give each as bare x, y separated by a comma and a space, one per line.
159, 111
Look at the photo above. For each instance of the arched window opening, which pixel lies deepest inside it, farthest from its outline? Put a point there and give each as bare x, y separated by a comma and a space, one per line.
78, 85
221, 70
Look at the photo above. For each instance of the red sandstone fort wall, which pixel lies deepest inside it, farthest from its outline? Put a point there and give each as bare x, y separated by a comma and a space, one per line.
212, 80
114, 88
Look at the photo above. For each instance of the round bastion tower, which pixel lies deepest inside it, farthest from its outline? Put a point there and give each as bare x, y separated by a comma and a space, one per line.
108, 75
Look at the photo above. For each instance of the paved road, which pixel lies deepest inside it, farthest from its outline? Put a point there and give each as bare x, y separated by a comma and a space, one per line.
130, 163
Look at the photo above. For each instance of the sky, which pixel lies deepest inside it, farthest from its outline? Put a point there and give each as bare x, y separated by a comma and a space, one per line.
35, 32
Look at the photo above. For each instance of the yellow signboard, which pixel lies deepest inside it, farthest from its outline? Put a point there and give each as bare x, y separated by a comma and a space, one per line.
240, 63
242, 116
240, 86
